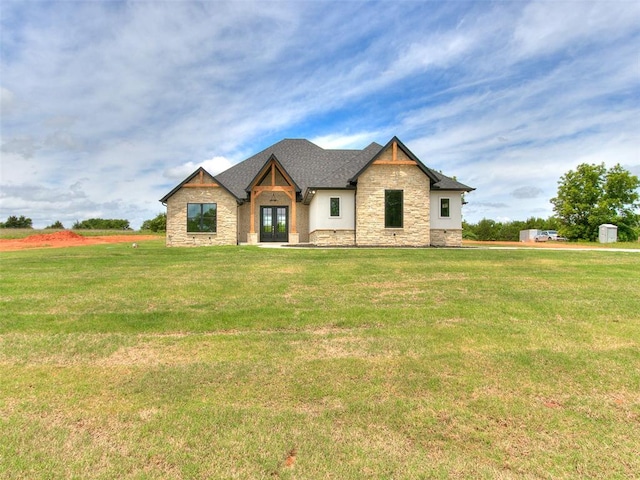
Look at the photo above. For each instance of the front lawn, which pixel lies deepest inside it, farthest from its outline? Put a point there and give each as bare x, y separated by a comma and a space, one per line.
241, 362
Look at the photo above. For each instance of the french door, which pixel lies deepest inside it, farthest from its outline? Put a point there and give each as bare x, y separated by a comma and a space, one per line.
274, 224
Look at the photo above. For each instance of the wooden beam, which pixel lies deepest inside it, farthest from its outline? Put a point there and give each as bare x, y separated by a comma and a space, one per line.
201, 176
397, 162
273, 174
276, 188
291, 194
394, 156
252, 227
294, 228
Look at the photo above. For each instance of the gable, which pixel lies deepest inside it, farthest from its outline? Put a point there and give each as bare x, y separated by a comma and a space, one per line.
198, 179
392, 155
272, 174
202, 178
395, 153
273, 177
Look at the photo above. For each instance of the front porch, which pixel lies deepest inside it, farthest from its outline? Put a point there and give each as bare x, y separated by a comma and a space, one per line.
272, 214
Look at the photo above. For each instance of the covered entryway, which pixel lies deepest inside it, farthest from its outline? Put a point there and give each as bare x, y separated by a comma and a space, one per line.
274, 224
273, 184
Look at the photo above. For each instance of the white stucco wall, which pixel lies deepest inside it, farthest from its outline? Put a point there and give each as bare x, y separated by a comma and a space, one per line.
455, 206
319, 211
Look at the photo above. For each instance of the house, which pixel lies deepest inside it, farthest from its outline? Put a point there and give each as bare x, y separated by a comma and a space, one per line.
297, 192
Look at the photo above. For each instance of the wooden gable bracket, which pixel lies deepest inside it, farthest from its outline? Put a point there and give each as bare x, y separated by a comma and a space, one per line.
200, 183
289, 190
394, 158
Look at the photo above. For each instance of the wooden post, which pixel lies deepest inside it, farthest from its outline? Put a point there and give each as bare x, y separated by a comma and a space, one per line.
294, 228
252, 228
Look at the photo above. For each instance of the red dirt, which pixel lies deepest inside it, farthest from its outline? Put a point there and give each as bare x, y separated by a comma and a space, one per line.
65, 235
67, 238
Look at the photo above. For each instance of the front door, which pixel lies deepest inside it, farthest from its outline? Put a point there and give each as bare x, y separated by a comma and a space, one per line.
274, 224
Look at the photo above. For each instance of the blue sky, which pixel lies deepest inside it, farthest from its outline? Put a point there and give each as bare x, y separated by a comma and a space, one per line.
106, 106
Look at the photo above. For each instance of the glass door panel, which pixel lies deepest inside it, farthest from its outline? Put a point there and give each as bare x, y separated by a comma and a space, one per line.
274, 224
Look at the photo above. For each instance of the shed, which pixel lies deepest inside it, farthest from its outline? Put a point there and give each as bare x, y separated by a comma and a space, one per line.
529, 235
607, 233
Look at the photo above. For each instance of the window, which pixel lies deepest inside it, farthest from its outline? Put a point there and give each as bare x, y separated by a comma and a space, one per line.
334, 206
201, 217
445, 208
393, 208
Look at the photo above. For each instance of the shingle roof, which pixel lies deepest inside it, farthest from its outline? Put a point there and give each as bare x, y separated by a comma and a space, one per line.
311, 166
447, 183
340, 177
308, 165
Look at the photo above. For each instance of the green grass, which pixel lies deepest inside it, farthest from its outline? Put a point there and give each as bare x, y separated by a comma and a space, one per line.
216, 362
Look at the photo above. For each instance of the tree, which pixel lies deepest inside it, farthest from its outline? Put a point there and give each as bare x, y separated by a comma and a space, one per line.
102, 224
157, 224
592, 195
15, 222
56, 225
487, 230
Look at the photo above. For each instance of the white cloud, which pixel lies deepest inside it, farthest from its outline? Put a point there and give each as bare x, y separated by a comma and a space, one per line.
23, 145
545, 28
7, 101
347, 141
214, 166
527, 192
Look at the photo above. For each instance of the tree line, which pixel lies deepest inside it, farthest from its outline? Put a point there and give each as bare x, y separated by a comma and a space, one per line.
157, 224
489, 230
90, 224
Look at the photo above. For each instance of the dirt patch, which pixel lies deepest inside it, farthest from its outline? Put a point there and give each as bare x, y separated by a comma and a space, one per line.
67, 238
64, 236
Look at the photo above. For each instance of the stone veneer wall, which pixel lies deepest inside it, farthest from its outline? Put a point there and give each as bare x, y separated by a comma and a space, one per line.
372, 183
227, 212
324, 238
303, 222
446, 238
282, 199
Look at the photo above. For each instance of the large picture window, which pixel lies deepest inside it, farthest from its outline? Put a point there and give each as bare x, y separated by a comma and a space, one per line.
201, 217
334, 206
445, 208
393, 208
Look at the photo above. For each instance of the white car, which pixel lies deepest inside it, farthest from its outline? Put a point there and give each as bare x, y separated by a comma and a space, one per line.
546, 235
